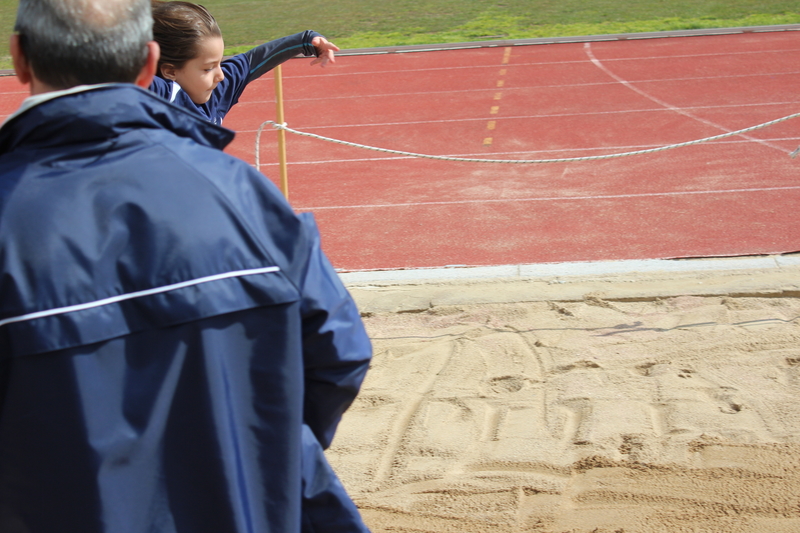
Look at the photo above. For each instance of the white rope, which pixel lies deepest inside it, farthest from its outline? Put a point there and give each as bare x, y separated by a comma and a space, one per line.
258, 140
520, 161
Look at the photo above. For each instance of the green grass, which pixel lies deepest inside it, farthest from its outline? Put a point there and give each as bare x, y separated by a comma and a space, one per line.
493, 27
370, 23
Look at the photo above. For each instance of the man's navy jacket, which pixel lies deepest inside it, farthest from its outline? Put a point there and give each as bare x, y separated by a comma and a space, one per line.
169, 330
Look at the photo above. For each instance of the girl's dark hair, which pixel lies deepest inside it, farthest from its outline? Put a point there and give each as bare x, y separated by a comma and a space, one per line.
178, 27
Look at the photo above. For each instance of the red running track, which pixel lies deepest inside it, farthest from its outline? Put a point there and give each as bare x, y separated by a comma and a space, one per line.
735, 196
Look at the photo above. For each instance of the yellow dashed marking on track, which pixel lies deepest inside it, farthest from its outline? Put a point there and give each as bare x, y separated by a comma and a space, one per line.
492, 124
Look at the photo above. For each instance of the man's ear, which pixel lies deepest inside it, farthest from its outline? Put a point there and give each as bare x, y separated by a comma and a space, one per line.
21, 65
148, 72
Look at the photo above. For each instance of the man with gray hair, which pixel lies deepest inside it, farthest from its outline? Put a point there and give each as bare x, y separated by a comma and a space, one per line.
175, 348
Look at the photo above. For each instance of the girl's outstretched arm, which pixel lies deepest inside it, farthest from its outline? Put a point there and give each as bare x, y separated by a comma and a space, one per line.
269, 55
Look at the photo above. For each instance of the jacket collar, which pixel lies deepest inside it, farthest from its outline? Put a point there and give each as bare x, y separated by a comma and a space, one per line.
97, 112
33, 101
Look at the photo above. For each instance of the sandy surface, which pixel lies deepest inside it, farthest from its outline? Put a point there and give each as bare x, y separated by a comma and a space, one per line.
629, 403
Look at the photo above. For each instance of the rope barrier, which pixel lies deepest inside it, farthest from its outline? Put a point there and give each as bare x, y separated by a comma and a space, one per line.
283, 126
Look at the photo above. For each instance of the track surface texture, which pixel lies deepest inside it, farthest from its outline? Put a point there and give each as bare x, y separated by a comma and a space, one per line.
729, 197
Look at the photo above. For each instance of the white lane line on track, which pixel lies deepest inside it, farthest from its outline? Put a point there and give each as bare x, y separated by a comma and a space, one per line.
551, 198
588, 49
527, 87
543, 63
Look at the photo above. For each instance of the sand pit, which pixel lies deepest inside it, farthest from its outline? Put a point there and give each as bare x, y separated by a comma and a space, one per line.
627, 403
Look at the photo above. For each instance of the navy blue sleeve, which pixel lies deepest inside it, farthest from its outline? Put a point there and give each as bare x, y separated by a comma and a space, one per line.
326, 504
269, 55
336, 348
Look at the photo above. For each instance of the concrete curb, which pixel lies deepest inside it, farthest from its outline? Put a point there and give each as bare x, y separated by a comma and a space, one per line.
408, 291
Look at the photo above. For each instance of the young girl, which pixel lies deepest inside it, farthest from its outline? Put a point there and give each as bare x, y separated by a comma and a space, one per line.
191, 72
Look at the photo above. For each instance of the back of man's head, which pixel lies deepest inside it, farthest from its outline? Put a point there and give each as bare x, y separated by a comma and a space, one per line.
83, 42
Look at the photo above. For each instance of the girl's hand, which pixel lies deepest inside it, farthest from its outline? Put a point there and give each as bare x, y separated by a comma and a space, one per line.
325, 51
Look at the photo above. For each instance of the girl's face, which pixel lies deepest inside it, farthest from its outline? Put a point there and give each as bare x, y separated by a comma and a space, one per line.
199, 76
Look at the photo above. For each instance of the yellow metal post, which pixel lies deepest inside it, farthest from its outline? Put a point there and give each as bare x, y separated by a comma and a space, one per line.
281, 132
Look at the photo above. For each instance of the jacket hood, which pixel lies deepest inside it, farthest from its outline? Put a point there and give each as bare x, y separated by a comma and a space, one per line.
102, 112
